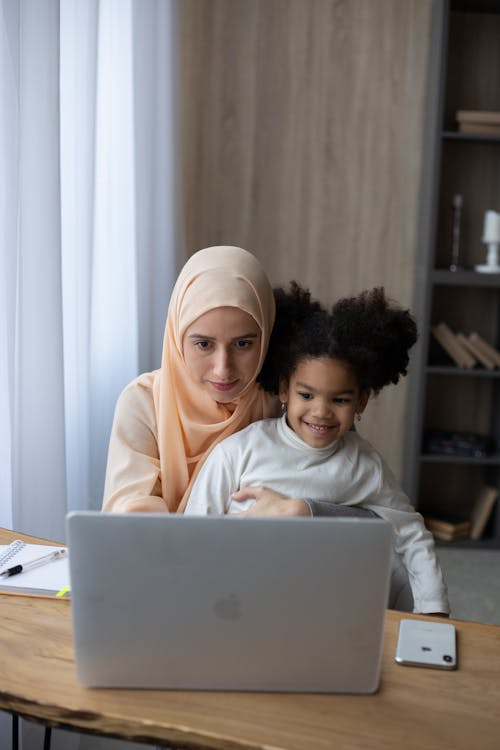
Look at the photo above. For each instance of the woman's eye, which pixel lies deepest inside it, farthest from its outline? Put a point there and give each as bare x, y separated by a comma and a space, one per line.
202, 345
244, 344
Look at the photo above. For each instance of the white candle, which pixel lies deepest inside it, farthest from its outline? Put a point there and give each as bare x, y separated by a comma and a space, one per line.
491, 230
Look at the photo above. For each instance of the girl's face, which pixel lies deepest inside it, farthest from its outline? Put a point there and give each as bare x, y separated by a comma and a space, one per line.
322, 400
222, 350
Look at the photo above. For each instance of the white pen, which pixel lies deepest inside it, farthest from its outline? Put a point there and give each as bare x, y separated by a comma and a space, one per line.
55, 555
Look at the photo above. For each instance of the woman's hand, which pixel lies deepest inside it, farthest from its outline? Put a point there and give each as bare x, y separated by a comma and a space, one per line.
270, 503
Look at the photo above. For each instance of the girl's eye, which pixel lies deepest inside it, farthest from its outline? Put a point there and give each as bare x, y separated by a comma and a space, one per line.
341, 400
306, 396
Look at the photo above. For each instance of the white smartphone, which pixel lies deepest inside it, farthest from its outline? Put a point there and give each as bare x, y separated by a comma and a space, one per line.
424, 643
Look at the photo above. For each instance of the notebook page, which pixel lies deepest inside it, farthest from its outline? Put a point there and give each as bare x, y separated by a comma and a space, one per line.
47, 579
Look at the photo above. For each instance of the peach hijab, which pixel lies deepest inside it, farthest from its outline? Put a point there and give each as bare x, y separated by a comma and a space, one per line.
190, 422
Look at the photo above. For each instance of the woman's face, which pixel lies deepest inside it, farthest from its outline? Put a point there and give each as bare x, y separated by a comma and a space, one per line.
222, 350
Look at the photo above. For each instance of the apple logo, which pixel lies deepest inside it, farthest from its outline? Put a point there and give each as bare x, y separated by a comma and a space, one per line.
228, 608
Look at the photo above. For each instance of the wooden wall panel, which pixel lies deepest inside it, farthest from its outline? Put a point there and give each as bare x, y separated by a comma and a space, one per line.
302, 129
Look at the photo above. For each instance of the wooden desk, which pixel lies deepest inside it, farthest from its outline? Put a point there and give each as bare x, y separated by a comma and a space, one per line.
415, 708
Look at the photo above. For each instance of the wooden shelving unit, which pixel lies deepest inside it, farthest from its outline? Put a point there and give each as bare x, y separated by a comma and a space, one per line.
447, 397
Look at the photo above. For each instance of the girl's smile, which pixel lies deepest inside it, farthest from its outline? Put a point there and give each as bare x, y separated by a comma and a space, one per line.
322, 398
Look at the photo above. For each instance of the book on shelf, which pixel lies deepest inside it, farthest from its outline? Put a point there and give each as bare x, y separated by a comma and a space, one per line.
479, 116
448, 528
482, 357
478, 121
485, 347
482, 509
452, 346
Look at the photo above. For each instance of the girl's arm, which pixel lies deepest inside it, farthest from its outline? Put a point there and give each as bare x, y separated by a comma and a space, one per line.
413, 542
271, 503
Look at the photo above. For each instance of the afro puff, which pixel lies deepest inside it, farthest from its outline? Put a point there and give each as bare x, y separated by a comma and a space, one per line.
371, 334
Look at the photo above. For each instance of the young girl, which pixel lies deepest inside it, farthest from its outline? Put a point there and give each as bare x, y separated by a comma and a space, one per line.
325, 366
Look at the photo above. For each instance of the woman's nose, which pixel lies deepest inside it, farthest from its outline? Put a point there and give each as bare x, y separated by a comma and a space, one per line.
222, 363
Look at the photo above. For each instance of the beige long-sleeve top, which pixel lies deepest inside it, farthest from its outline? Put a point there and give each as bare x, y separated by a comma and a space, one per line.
133, 476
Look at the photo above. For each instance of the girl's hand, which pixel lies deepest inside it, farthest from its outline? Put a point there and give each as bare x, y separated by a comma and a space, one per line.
270, 503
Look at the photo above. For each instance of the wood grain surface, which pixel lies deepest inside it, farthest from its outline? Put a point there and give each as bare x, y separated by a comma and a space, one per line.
414, 708
303, 129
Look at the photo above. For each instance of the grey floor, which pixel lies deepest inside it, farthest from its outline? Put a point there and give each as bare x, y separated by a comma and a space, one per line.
473, 579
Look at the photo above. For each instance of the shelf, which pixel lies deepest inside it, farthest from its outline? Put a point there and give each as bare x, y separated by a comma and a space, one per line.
473, 372
487, 543
442, 458
475, 6
443, 277
454, 135
460, 163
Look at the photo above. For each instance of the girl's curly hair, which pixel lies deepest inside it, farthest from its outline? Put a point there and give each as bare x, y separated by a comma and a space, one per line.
371, 334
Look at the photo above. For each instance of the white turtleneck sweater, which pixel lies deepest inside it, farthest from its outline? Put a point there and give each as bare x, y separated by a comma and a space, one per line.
347, 472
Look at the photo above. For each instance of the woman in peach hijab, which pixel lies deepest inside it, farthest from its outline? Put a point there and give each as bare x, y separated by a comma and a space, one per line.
219, 320
220, 316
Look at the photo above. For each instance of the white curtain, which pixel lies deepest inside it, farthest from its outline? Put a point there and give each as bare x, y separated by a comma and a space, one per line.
89, 247
89, 237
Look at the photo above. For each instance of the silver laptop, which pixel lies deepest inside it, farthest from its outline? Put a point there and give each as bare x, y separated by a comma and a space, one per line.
225, 603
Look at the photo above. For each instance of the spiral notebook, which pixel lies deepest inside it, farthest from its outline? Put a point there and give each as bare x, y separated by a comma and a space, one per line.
50, 580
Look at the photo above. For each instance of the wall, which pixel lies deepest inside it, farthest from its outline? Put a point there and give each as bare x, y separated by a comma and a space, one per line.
303, 128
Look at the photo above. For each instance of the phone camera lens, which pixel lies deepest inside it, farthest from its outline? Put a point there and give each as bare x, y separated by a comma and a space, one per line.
447, 658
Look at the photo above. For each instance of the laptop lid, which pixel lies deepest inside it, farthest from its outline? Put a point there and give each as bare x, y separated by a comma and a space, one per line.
225, 603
